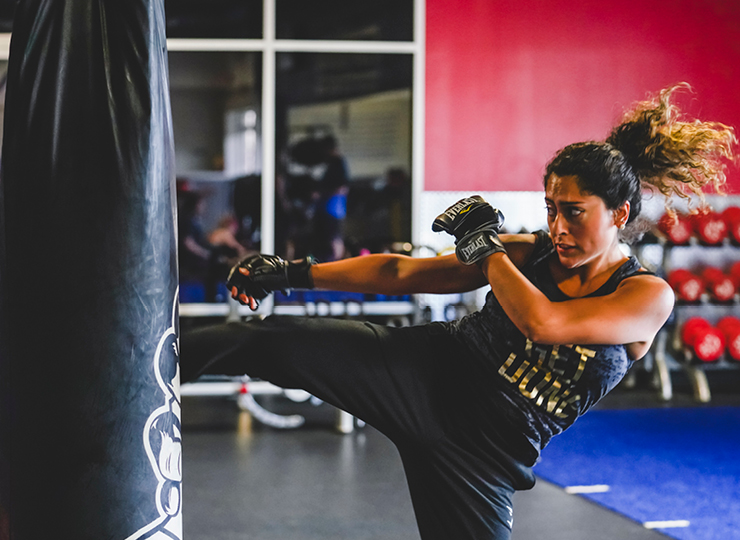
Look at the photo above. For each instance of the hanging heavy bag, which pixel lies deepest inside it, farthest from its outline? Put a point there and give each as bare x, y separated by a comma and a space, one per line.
89, 411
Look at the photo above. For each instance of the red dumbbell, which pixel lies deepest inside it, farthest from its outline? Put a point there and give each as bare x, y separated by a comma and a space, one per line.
710, 345
730, 327
731, 215
677, 230
720, 286
706, 341
735, 273
691, 329
710, 228
733, 231
687, 286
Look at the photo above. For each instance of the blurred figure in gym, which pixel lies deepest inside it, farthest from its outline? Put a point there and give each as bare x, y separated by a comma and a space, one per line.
225, 252
195, 250
331, 208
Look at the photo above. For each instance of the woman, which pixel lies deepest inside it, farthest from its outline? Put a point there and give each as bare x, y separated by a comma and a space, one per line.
470, 404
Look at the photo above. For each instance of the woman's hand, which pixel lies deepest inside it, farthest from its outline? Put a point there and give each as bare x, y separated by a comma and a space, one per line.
475, 225
241, 296
252, 279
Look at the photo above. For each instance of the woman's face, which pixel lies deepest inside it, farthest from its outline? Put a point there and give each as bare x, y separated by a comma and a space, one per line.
582, 228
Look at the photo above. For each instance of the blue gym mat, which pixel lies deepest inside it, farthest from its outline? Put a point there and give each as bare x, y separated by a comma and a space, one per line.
659, 465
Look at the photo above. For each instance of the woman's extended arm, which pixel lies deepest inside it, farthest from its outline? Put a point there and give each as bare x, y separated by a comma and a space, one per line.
632, 314
399, 274
379, 274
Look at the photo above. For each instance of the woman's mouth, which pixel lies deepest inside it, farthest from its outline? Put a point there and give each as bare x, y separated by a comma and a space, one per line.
564, 248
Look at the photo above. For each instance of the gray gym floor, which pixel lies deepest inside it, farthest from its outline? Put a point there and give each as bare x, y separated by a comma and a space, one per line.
244, 481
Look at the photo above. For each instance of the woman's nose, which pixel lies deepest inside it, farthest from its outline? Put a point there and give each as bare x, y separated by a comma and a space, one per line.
557, 225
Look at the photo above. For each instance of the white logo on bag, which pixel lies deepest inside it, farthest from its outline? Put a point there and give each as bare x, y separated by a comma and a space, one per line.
163, 445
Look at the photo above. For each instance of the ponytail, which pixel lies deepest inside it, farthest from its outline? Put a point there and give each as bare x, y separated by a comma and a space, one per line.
651, 149
670, 155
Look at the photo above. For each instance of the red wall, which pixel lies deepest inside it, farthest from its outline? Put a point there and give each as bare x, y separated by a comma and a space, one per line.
509, 82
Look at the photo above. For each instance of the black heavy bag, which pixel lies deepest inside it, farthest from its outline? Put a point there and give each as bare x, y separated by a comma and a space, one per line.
89, 407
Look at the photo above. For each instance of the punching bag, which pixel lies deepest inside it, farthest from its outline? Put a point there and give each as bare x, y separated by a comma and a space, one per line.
89, 383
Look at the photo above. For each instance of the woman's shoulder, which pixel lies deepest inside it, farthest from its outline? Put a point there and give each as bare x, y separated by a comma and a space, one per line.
642, 278
649, 290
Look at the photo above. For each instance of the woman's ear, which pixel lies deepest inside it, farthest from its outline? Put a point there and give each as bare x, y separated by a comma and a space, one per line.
621, 215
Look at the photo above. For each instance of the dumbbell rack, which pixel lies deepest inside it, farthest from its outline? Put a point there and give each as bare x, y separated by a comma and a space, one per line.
668, 353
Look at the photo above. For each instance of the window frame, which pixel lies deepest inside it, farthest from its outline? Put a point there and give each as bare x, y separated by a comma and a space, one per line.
269, 46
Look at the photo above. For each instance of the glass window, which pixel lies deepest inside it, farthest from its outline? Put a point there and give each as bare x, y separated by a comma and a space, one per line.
342, 127
216, 98
235, 19
380, 20
343, 147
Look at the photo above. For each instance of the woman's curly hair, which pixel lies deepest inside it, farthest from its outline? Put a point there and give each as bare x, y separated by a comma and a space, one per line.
653, 148
675, 157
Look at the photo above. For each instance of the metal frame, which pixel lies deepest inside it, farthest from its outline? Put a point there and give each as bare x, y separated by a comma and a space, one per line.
269, 45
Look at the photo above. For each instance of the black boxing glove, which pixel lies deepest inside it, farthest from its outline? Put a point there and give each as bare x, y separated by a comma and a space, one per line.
474, 223
477, 245
468, 215
268, 273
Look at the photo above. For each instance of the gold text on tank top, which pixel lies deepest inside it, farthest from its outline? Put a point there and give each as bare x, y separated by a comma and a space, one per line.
546, 374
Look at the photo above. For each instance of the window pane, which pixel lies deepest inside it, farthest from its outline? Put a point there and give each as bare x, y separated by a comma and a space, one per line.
216, 116
380, 20
343, 153
236, 19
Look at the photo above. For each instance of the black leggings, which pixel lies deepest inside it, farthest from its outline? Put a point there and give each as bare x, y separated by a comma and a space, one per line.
410, 383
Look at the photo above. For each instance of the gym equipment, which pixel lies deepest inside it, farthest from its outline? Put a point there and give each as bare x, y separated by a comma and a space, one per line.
687, 286
705, 341
730, 327
477, 245
710, 228
268, 273
676, 230
700, 291
474, 223
691, 328
247, 403
468, 215
735, 273
720, 286
90, 441
731, 215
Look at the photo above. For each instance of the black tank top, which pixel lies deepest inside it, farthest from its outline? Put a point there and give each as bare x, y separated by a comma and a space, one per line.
540, 390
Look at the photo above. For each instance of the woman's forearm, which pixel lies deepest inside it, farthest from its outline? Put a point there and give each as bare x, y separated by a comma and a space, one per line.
519, 298
633, 313
397, 274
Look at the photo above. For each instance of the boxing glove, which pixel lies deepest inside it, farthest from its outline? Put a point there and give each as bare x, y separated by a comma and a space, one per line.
474, 223
467, 215
267, 273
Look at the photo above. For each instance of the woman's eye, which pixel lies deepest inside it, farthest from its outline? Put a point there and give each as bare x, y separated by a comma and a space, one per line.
574, 212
